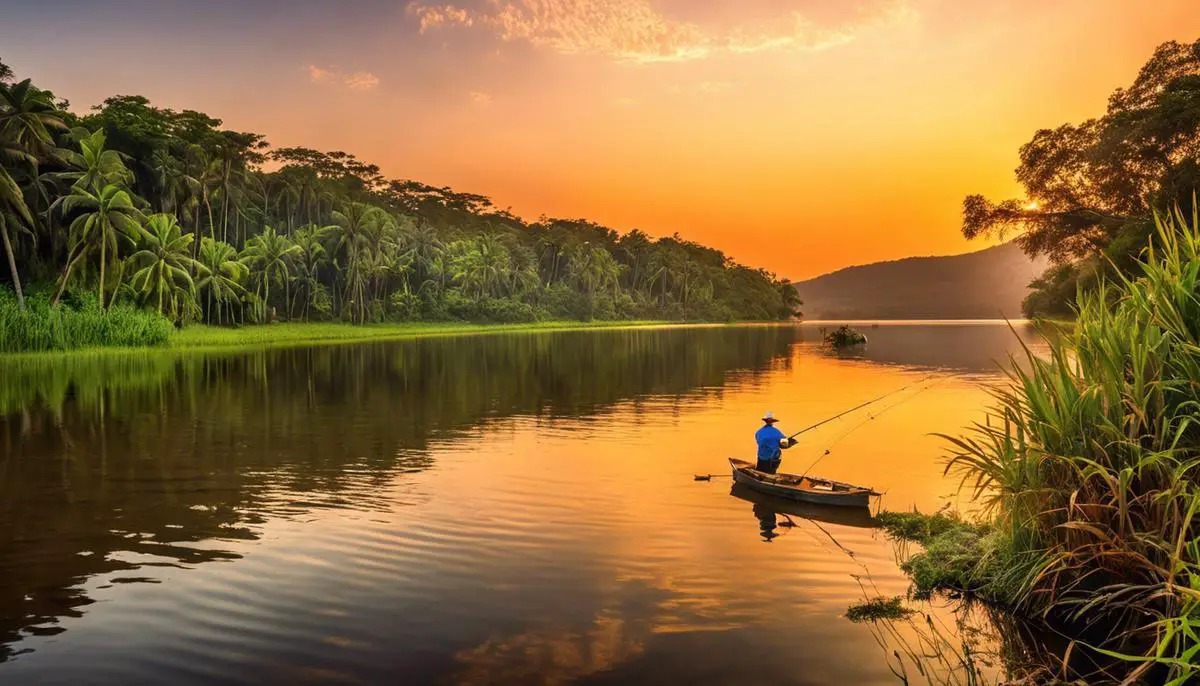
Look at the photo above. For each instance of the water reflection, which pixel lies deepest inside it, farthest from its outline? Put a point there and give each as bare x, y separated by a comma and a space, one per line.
114, 463
965, 346
494, 509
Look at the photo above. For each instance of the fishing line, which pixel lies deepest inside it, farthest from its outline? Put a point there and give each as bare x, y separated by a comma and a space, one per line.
852, 429
861, 405
709, 477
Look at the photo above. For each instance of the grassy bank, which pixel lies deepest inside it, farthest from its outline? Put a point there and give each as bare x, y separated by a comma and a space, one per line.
134, 338
1086, 466
76, 323
296, 333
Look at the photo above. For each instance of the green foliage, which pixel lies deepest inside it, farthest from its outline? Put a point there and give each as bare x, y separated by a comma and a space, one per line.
76, 323
1091, 188
1088, 459
918, 527
879, 608
164, 268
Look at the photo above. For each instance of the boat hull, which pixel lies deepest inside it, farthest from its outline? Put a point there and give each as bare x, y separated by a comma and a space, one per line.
858, 517
837, 495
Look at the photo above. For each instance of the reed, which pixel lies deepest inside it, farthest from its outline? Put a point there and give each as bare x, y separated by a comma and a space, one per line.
1087, 462
78, 324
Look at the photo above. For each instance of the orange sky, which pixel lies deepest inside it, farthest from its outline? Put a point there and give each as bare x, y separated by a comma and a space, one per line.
799, 135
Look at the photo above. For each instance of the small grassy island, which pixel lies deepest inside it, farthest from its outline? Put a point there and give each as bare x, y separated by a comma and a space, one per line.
844, 337
128, 223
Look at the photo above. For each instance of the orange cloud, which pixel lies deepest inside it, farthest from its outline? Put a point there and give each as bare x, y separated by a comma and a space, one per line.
359, 80
634, 31
362, 80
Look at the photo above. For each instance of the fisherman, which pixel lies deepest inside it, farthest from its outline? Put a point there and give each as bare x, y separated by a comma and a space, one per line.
771, 442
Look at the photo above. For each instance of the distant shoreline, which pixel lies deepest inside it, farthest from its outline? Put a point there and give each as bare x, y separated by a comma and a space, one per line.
909, 322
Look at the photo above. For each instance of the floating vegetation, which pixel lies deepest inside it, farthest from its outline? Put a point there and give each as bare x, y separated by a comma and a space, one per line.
844, 337
878, 608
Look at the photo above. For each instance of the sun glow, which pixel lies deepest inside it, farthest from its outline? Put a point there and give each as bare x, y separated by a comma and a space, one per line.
1032, 205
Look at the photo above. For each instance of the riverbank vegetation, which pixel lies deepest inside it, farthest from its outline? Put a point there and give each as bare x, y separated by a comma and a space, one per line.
1091, 188
76, 323
166, 211
1086, 466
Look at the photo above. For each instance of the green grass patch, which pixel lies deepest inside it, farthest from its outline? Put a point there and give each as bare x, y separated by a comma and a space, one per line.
918, 527
877, 609
76, 323
296, 333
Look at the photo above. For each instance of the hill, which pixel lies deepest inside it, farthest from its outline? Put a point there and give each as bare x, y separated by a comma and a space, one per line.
981, 285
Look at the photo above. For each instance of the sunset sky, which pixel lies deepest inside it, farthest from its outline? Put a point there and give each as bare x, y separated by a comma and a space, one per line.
798, 135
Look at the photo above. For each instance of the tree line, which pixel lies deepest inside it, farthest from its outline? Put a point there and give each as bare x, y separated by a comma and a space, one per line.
1091, 189
133, 203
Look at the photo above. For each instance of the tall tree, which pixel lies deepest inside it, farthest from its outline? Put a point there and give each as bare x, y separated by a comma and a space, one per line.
1091, 188
165, 267
222, 277
269, 255
103, 222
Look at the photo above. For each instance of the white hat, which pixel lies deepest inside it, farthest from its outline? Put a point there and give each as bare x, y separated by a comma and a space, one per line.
769, 417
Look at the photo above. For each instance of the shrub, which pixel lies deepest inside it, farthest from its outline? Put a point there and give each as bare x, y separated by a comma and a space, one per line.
845, 337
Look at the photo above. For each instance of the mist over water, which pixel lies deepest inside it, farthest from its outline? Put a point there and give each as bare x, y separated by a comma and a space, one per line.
509, 508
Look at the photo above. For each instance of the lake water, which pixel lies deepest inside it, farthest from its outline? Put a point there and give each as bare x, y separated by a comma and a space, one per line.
492, 509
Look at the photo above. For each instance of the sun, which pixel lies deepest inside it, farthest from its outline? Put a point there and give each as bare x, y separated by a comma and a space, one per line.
1033, 205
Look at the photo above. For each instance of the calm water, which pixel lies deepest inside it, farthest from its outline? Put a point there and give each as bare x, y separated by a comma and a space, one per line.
510, 509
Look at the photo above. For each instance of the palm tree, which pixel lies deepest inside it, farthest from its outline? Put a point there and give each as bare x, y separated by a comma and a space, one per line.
96, 165
14, 211
423, 246
222, 275
350, 239
205, 174
269, 254
28, 116
107, 216
309, 258
165, 266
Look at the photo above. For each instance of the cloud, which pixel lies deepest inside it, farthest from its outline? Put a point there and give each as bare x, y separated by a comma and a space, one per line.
319, 75
359, 80
634, 31
362, 81
480, 98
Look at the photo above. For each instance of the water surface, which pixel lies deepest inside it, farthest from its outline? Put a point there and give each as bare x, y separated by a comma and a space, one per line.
508, 508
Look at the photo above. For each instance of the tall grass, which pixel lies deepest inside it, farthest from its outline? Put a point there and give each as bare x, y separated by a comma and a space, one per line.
76, 324
1089, 461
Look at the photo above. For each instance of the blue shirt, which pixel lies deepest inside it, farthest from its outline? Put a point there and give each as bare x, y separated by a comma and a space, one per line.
768, 439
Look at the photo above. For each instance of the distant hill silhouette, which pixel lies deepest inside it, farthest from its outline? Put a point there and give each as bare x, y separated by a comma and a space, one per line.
981, 285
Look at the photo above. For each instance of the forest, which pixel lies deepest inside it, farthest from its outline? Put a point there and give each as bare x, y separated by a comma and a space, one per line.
129, 217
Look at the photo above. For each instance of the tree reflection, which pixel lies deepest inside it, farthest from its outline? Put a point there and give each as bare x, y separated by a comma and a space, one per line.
113, 463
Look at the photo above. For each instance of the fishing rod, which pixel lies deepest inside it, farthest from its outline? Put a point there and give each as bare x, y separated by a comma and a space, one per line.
859, 407
709, 477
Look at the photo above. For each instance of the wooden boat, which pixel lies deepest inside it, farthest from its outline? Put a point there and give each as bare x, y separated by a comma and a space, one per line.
805, 489
857, 517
